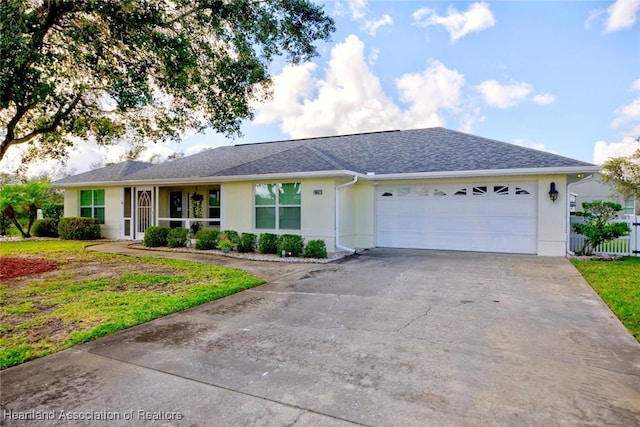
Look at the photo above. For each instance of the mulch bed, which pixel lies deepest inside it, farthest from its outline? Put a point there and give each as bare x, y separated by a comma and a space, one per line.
11, 267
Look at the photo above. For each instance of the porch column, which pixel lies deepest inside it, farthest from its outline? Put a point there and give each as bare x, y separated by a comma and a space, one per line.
156, 209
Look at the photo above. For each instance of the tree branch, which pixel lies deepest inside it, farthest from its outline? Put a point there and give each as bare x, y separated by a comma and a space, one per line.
53, 125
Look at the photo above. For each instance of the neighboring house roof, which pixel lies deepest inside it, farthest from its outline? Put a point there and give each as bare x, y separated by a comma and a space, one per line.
419, 151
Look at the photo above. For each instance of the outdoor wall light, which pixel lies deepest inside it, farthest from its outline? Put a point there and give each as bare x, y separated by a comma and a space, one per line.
553, 193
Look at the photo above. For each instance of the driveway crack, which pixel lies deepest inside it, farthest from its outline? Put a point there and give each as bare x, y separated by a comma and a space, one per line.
415, 319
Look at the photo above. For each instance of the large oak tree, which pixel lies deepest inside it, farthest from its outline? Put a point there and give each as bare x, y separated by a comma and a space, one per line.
144, 70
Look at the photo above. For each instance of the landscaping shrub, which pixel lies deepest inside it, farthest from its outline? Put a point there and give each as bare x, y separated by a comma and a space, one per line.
207, 239
225, 245
247, 242
47, 227
178, 238
53, 211
315, 249
291, 244
232, 235
156, 236
73, 228
268, 243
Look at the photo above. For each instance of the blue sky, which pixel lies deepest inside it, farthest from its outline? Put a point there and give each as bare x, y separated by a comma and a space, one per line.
558, 76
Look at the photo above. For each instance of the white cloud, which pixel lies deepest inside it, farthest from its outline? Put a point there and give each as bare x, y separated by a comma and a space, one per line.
436, 88
622, 14
373, 56
593, 16
358, 11
356, 8
294, 83
373, 26
477, 17
85, 156
629, 115
504, 96
544, 98
619, 15
603, 150
349, 98
627, 118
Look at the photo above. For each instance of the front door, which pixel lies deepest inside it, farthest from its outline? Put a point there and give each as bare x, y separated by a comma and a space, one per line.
144, 210
175, 208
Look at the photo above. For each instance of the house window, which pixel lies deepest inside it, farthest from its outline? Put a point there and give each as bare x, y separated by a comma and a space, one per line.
278, 206
422, 191
92, 205
502, 190
629, 207
214, 206
480, 190
404, 191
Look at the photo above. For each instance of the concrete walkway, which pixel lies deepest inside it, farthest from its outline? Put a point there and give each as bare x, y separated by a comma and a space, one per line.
388, 337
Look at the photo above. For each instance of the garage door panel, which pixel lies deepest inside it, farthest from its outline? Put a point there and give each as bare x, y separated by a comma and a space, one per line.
407, 218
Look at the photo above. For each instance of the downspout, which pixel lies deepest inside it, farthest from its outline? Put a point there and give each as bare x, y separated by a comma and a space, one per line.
338, 246
569, 187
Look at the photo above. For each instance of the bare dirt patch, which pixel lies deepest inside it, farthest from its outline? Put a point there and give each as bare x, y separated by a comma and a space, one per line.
11, 267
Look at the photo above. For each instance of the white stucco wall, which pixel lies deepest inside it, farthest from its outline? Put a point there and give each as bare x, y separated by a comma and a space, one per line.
552, 217
317, 216
111, 229
71, 202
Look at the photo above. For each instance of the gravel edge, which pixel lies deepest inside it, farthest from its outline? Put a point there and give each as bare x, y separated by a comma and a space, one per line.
334, 256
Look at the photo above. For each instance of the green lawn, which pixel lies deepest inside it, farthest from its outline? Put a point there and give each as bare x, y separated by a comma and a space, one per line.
94, 294
618, 284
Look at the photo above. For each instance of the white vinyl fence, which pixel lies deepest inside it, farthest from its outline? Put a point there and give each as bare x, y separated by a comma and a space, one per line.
625, 245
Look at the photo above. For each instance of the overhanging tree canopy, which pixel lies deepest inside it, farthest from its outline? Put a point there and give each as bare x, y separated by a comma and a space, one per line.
141, 69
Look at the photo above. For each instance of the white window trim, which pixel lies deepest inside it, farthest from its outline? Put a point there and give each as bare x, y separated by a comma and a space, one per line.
93, 206
277, 207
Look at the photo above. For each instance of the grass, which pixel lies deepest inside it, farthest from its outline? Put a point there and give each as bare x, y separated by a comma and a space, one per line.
618, 284
94, 294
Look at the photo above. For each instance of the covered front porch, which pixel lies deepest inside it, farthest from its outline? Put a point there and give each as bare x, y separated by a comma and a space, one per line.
191, 207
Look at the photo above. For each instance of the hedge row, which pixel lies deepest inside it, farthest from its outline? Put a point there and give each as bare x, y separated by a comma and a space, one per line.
266, 243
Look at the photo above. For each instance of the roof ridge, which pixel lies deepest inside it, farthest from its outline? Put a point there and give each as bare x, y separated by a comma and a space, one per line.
317, 137
332, 159
271, 155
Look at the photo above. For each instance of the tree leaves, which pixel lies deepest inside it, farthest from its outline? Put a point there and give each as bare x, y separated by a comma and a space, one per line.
144, 70
624, 174
597, 226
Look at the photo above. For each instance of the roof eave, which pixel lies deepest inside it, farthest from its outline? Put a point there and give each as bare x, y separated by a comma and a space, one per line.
202, 180
565, 170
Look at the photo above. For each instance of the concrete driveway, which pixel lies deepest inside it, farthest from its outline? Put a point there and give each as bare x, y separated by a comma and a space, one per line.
388, 337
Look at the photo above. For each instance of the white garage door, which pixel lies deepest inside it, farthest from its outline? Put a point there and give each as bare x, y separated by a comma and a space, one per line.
492, 217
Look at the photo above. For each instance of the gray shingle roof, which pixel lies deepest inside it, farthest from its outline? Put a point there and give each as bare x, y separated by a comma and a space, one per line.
117, 172
392, 152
